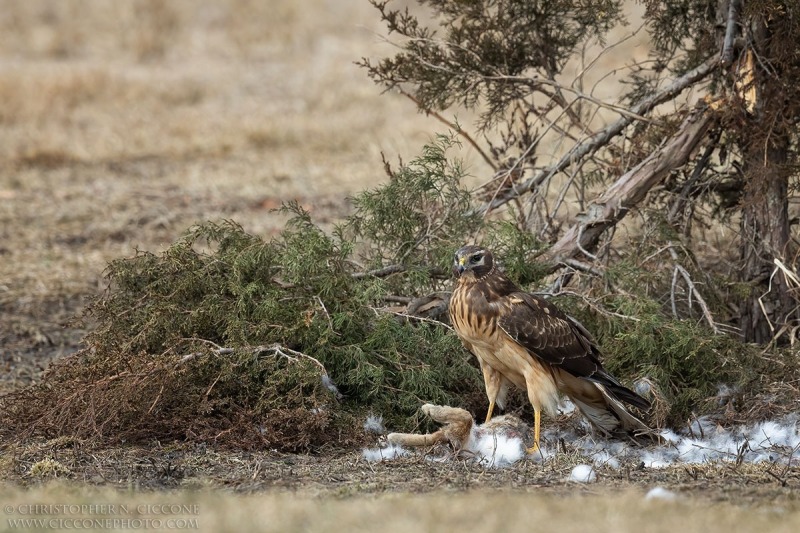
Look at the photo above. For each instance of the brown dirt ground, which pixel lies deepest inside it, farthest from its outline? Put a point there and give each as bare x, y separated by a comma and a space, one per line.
124, 122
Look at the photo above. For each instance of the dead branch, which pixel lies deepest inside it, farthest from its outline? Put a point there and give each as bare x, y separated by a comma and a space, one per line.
380, 272
533, 82
792, 282
692, 291
290, 355
726, 57
603, 137
584, 267
696, 173
630, 189
412, 317
277, 349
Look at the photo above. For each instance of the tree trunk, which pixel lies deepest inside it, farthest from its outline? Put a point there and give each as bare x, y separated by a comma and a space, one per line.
765, 142
764, 237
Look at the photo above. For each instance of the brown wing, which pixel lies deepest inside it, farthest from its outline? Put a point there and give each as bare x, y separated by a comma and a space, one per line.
558, 340
548, 333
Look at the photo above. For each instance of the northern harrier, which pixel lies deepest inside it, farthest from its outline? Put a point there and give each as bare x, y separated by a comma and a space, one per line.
524, 340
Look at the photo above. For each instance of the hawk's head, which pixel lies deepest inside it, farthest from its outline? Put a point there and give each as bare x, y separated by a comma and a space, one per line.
472, 261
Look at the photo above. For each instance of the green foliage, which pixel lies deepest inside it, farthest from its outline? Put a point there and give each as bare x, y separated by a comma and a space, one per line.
684, 358
420, 217
227, 334
683, 26
229, 338
485, 44
516, 251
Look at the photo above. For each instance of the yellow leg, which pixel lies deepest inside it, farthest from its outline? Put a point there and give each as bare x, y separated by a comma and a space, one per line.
489, 412
537, 420
493, 381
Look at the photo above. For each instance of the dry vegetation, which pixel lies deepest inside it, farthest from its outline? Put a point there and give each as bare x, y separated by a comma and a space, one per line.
122, 123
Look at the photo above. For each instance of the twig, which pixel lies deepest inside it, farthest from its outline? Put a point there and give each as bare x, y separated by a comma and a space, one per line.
583, 267
208, 391
692, 289
696, 173
589, 303
217, 349
791, 277
561, 195
327, 315
276, 348
657, 252
533, 82
761, 303
380, 272
672, 288
781, 479
292, 355
158, 397
412, 317
792, 283
452, 125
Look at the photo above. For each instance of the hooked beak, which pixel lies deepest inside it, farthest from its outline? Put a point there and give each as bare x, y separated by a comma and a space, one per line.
459, 268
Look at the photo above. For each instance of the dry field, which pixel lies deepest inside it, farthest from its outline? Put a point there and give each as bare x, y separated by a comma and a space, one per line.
123, 122
511, 511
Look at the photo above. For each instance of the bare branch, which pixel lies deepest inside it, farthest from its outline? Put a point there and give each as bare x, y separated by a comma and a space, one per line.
590, 302
692, 290
289, 354
726, 57
603, 137
696, 173
533, 82
611, 206
276, 348
700, 301
412, 317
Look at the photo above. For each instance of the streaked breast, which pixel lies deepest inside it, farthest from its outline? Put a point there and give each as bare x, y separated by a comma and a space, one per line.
472, 317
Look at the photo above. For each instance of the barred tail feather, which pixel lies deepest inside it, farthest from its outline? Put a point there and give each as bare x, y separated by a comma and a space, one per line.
614, 389
627, 422
607, 414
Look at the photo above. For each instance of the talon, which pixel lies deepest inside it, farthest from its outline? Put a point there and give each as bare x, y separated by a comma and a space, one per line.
533, 449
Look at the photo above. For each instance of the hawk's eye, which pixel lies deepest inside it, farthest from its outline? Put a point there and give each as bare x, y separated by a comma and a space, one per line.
475, 258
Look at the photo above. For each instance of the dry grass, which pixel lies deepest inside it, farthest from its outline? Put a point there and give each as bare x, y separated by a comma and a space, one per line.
573, 510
